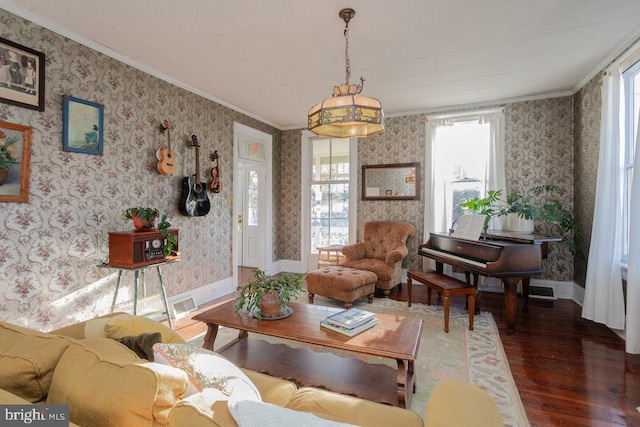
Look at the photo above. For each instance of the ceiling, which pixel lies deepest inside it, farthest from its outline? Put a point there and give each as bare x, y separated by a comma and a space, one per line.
274, 59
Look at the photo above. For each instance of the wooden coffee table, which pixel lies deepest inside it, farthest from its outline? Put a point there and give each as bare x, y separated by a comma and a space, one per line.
395, 337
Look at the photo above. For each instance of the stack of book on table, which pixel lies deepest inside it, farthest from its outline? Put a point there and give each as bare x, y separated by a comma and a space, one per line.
350, 322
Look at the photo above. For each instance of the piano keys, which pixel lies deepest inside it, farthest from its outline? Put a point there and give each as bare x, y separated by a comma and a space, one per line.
508, 256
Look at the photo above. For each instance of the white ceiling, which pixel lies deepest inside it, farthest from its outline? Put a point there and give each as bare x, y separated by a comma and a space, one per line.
274, 59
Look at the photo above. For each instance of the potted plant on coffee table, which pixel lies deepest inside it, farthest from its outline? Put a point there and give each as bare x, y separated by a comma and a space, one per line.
266, 296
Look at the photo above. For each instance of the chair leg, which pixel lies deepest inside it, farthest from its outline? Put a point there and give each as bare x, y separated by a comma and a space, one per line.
310, 296
370, 298
447, 305
472, 310
347, 305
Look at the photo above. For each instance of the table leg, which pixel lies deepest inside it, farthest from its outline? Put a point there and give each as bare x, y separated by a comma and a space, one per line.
212, 333
136, 283
210, 337
409, 286
406, 382
115, 294
164, 297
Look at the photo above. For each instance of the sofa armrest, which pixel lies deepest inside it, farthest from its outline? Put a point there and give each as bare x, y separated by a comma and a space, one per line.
396, 255
76, 330
352, 410
354, 252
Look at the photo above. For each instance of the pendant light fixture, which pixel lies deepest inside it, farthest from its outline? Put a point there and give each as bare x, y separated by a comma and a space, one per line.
347, 114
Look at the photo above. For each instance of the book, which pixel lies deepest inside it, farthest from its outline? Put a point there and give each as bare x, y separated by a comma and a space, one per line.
350, 332
350, 318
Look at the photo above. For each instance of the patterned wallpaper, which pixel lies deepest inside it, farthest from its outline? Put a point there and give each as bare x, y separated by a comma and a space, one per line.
587, 110
50, 246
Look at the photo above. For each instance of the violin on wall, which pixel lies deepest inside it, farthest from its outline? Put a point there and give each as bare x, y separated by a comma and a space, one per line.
216, 184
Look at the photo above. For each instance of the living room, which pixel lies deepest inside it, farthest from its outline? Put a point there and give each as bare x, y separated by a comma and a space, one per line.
52, 244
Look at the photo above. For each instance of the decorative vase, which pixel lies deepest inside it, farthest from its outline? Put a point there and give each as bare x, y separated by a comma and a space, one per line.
518, 225
269, 304
4, 174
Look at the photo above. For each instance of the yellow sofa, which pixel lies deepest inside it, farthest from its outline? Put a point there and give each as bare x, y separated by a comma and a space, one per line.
107, 384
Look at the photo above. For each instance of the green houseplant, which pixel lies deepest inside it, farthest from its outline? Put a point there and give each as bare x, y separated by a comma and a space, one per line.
280, 289
144, 218
524, 206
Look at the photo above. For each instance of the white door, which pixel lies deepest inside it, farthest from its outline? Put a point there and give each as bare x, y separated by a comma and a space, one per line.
252, 200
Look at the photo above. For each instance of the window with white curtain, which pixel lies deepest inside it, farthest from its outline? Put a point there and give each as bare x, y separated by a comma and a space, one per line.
460, 162
631, 80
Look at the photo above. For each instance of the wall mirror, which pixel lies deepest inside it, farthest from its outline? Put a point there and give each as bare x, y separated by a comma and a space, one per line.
400, 181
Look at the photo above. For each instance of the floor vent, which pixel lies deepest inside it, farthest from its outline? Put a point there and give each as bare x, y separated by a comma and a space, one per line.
183, 307
542, 292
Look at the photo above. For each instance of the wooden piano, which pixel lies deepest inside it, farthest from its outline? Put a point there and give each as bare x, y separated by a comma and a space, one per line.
508, 256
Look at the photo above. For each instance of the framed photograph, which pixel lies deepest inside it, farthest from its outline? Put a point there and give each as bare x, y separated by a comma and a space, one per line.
82, 126
15, 158
21, 75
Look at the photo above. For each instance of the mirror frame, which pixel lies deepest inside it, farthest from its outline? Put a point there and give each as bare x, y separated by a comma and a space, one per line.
415, 196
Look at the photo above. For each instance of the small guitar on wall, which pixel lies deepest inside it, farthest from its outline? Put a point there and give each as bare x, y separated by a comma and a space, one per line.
194, 200
166, 159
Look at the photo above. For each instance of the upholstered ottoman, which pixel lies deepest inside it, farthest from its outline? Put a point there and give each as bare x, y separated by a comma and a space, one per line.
341, 283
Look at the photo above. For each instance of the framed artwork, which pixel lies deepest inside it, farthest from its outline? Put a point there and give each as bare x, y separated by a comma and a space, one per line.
15, 158
82, 126
21, 75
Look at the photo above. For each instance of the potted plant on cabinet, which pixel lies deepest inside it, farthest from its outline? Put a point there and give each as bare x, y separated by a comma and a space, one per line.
144, 218
522, 206
266, 296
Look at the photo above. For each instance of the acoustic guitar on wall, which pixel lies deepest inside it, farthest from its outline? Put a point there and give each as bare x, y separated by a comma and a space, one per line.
194, 200
166, 159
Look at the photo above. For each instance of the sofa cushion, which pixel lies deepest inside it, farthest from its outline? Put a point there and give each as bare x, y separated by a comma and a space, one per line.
207, 369
106, 384
124, 325
28, 359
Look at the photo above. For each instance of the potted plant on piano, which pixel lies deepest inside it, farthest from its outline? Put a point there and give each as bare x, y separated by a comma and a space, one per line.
266, 297
144, 218
527, 207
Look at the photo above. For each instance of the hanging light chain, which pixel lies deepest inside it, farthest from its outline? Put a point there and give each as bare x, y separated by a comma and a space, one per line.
346, 52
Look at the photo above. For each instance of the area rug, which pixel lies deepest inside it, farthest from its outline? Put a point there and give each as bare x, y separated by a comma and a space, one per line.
473, 356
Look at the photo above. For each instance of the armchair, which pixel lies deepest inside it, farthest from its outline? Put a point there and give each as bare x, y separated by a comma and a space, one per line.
382, 250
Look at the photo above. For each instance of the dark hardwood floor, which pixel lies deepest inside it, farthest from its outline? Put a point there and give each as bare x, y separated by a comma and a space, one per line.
569, 371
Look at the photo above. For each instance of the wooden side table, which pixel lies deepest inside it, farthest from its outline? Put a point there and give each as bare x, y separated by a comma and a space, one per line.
329, 255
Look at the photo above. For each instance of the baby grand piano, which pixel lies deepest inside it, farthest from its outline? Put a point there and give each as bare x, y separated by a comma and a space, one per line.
508, 256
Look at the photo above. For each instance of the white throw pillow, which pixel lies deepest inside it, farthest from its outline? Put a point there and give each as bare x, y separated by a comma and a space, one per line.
207, 369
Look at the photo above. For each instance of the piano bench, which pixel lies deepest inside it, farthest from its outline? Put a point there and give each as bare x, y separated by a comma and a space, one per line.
446, 286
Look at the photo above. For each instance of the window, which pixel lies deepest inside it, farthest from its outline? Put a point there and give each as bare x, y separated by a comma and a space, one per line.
330, 192
460, 160
631, 79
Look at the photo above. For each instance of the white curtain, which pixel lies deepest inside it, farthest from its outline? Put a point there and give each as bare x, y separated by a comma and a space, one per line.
496, 178
603, 299
633, 269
